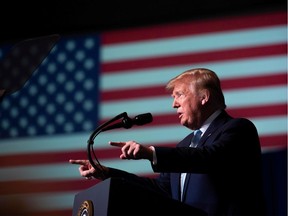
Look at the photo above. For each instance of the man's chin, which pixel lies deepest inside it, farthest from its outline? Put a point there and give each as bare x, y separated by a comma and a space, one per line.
185, 124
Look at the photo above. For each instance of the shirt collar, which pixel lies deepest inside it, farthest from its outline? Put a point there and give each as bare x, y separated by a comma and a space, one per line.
209, 121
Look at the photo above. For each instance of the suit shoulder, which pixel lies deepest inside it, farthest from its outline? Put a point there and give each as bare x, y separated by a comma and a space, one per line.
241, 123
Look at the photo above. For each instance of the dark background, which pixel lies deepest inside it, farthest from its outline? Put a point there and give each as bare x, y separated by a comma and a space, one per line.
21, 20
25, 19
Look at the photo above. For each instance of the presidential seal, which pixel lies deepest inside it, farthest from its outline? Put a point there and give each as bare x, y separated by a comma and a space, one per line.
86, 209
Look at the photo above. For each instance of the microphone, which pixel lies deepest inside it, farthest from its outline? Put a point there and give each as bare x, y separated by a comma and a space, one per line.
128, 122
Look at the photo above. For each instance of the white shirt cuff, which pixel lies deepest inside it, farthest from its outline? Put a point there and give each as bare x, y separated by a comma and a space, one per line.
154, 162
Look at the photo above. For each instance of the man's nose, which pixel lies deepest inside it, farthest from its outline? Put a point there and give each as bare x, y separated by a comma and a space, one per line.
175, 104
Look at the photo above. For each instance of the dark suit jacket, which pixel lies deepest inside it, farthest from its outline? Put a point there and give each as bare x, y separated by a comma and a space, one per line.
224, 171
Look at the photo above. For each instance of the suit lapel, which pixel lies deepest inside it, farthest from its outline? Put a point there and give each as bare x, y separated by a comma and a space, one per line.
215, 125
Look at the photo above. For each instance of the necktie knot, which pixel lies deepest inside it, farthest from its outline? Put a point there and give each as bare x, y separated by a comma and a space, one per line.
196, 138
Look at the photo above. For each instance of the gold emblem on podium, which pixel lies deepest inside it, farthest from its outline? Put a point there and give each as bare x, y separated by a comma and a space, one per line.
86, 208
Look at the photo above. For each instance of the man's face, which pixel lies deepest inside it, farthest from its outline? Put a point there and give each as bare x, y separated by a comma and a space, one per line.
188, 105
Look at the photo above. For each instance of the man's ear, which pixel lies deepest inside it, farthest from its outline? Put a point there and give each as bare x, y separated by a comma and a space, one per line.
205, 95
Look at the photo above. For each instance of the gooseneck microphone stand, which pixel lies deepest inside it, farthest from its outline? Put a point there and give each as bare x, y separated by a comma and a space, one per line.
94, 161
125, 123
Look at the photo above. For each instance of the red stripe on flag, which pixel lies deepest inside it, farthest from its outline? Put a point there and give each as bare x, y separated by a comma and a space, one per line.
279, 141
41, 158
193, 58
199, 27
259, 111
39, 186
125, 94
255, 81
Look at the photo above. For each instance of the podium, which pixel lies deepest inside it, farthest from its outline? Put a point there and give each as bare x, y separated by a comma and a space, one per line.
117, 196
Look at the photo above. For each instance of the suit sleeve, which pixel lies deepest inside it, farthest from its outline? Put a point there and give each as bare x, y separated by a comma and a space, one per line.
235, 143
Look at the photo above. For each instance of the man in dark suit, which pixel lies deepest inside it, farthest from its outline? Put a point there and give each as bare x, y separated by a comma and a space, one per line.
220, 171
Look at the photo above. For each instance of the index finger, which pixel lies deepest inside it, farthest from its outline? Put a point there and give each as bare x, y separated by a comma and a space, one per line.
80, 162
118, 144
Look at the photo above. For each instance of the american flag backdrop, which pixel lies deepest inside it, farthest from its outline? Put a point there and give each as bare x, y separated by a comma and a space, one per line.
90, 78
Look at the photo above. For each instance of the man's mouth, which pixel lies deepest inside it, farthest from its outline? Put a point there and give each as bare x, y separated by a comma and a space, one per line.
180, 115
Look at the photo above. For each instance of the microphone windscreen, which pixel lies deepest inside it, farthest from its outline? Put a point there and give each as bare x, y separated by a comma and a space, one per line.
143, 119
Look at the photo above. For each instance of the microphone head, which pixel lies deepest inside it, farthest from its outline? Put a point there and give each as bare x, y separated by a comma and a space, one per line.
143, 119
